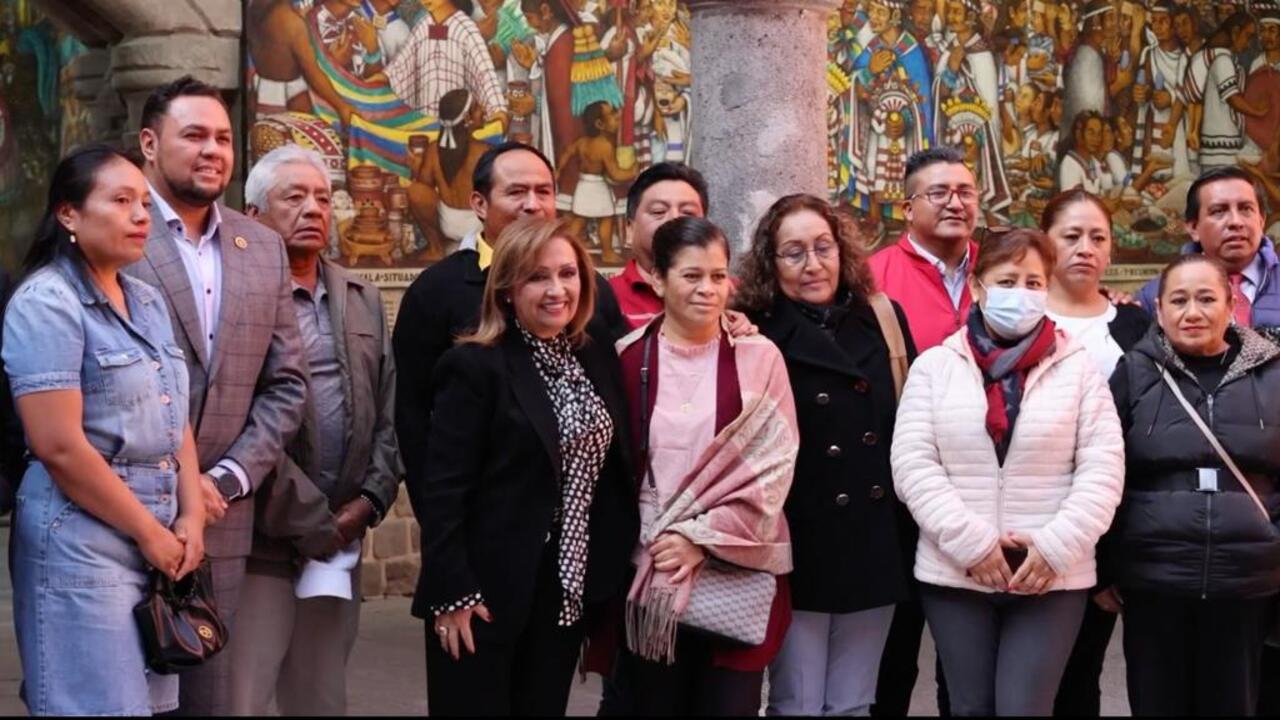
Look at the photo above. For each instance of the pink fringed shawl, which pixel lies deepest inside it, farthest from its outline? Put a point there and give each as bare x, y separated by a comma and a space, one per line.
730, 503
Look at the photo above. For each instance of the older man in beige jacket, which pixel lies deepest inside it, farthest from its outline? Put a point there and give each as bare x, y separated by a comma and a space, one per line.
301, 595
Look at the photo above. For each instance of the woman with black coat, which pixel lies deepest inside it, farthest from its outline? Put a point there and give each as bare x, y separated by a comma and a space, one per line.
527, 508
806, 286
1194, 553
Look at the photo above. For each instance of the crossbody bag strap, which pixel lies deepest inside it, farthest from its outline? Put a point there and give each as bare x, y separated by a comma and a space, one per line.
892, 331
1213, 440
644, 410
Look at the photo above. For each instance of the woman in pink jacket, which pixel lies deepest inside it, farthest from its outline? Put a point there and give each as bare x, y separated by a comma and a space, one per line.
1008, 453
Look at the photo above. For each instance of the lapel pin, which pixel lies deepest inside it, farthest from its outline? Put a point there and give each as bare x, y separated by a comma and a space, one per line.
241, 242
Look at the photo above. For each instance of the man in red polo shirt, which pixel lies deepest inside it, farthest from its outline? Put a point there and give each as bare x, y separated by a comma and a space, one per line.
661, 193
927, 273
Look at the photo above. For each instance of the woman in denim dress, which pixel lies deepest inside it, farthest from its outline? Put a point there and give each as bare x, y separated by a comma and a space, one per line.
113, 488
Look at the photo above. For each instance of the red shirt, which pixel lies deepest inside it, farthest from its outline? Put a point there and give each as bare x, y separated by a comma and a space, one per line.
912, 281
636, 297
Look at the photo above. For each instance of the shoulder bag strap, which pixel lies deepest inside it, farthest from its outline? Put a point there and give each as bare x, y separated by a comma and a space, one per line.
892, 332
1213, 440
646, 348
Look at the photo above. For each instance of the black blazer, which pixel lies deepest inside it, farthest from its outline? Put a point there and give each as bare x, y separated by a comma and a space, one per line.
442, 304
851, 540
491, 483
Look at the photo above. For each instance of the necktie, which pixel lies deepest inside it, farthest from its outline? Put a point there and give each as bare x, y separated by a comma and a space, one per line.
1244, 308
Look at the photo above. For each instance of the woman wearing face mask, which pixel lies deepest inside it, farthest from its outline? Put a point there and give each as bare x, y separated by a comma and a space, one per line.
807, 285
1080, 228
1008, 453
527, 504
716, 444
1194, 552
114, 485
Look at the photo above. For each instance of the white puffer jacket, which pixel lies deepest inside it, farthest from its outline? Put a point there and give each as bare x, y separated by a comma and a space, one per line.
1062, 477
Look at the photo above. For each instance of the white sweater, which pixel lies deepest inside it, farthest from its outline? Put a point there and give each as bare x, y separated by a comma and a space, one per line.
1062, 477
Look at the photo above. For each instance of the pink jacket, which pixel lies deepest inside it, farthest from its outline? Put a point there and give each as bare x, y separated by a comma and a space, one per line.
1060, 483
909, 279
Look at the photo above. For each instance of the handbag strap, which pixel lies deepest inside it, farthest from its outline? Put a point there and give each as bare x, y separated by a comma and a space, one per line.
644, 410
1213, 440
892, 331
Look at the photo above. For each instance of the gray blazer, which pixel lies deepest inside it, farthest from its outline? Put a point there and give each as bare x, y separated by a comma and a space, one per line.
246, 400
294, 518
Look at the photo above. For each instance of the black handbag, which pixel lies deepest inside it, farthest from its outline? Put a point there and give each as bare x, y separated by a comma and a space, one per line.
179, 622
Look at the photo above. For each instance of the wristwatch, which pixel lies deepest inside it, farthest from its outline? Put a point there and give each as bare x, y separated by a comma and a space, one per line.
227, 483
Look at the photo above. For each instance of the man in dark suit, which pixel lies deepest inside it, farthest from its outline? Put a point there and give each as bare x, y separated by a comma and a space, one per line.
511, 181
227, 284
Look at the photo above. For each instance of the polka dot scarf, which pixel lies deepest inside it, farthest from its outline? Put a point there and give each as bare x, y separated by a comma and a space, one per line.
586, 432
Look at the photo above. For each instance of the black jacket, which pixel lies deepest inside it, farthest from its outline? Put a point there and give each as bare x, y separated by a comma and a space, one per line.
851, 539
441, 304
1167, 536
492, 483
1129, 327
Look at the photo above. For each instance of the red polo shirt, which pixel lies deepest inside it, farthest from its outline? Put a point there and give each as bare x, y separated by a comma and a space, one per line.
635, 296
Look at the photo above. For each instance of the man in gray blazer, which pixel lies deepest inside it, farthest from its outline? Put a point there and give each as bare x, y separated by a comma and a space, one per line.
301, 592
226, 281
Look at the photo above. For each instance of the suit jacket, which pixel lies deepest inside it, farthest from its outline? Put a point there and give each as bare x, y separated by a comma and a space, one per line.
294, 517
493, 479
441, 304
247, 400
851, 539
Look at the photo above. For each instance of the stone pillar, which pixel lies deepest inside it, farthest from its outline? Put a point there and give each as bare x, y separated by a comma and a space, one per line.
759, 104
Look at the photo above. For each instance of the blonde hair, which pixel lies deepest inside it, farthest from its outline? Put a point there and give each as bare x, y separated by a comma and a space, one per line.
514, 258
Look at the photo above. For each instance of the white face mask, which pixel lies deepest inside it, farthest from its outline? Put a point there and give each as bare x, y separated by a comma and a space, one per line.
1013, 312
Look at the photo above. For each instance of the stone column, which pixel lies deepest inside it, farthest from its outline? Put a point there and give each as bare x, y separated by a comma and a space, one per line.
759, 104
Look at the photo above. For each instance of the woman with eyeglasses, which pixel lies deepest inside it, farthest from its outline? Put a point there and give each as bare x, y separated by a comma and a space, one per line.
1080, 228
1008, 452
806, 284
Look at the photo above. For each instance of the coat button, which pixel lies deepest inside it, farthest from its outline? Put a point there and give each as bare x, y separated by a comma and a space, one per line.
165, 399
155, 364
877, 492
822, 399
842, 499
860, 386
870, 439
164, 465
833, 451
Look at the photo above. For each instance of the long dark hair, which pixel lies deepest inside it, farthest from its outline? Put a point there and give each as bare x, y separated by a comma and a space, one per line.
72, 181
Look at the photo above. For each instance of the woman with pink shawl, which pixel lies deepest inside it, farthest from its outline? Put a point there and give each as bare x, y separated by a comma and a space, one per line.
719, 420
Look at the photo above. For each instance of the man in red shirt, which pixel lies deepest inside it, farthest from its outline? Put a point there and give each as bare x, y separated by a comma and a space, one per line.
927, 273
661, 193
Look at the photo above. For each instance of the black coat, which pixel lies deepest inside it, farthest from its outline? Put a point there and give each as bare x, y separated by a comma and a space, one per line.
1167, 537
492, 483
442, 304
852, 541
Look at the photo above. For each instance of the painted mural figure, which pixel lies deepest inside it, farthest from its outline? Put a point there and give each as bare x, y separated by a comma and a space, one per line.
1213, 88
1158, 96
1086, 72
594, 198
393, 31
286, 70
844, 43
439, 192
893, 114
966, 97
445, 52
673, 72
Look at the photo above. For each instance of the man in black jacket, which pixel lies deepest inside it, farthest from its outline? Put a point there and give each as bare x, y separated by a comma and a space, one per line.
511, 181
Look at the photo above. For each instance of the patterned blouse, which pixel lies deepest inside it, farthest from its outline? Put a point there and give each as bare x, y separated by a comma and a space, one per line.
586, 432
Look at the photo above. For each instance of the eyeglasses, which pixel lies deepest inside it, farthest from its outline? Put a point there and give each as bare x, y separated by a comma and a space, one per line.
939, 197
796, 256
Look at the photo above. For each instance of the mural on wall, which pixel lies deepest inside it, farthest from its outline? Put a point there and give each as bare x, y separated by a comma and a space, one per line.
32, 55
1127, 99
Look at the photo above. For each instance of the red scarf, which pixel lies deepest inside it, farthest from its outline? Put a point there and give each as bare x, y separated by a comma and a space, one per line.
1004, 373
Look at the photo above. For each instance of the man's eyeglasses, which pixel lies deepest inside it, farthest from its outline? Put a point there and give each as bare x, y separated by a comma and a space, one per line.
796, 256
939, 197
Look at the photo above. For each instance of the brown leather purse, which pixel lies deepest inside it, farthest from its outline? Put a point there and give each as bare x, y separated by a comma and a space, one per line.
178, 621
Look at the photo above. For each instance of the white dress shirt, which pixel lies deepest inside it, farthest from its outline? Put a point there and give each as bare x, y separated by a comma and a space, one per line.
954, 280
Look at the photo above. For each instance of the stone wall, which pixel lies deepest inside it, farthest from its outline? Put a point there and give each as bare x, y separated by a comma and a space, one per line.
391, 559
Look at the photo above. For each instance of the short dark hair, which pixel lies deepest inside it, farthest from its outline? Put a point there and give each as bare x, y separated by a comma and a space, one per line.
1011, 246
662, 172
939, 155
593, 114
681, 233
162, 97
1208, 177
1189, 259
482, 177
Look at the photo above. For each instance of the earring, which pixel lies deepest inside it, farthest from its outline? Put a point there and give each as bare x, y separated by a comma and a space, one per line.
73, 238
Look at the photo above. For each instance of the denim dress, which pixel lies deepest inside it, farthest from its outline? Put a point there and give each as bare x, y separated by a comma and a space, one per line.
76, 579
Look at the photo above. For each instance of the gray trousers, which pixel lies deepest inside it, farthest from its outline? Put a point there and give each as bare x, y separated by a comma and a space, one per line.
289, 656
1003, 654
829, 663
203, 690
